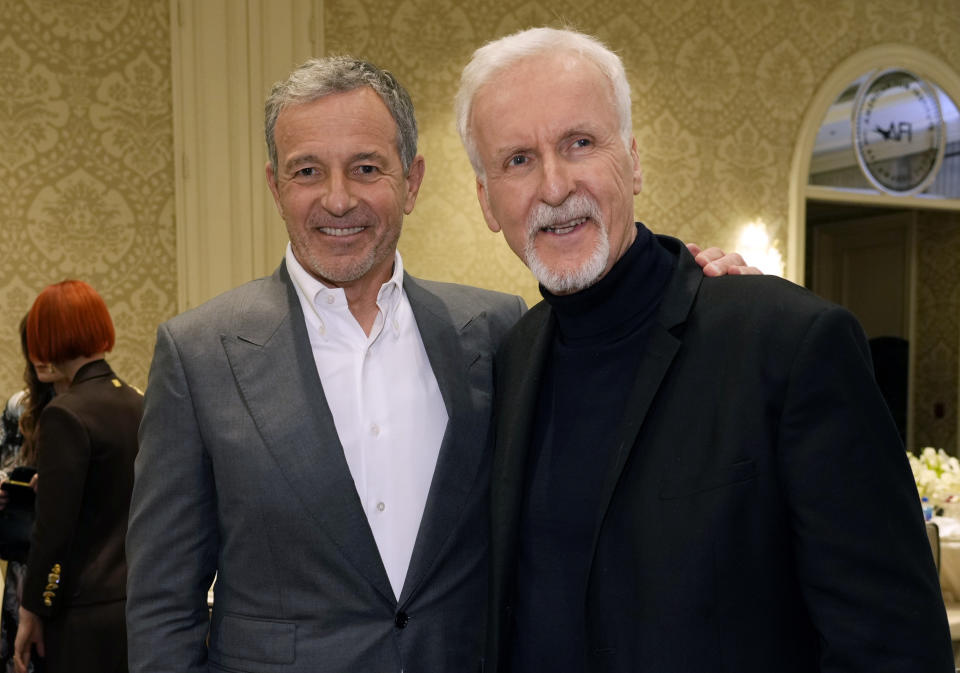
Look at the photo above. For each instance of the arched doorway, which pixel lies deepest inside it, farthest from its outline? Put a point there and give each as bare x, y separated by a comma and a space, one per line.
884, 243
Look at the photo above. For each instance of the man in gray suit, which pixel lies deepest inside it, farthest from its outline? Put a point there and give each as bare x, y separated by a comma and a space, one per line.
342, 505
319, 438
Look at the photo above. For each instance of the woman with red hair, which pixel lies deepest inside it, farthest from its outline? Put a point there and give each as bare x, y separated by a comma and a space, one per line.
74, 593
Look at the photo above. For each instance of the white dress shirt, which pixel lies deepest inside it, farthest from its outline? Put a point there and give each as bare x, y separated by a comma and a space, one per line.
386, 406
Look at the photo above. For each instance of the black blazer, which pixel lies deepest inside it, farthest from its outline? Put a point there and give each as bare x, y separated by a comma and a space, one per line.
87, 441
759, 515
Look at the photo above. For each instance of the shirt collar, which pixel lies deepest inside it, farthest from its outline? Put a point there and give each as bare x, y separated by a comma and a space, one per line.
324, 298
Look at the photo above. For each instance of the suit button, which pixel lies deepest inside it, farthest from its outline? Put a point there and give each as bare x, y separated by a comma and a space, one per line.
401, 620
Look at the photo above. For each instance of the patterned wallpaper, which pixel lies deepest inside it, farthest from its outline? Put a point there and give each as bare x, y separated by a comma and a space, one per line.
86, 173
719, 92
938, 330
720, 89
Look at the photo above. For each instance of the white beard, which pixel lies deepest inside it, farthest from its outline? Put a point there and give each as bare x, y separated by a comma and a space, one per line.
567, 280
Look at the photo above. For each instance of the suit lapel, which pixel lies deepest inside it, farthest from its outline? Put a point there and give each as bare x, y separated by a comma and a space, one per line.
657, 357
273, 365
515, 405
449, 348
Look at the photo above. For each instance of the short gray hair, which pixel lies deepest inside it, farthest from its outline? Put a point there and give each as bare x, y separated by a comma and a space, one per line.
494, 56
319, 77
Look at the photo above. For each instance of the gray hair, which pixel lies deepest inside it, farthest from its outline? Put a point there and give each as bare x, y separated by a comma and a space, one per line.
319, 77
494, 56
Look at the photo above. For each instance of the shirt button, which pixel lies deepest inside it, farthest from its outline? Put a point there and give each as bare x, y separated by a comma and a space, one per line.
330, 299
401, 620
381, 506
375, 430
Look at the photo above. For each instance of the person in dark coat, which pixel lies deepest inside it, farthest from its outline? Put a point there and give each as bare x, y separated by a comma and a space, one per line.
18, 461
74, 593
690, 474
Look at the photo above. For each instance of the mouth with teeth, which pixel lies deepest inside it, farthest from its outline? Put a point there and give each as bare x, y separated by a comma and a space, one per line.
340, 231
564, 228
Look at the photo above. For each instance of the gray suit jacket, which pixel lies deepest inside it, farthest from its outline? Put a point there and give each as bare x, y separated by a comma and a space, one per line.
241, 473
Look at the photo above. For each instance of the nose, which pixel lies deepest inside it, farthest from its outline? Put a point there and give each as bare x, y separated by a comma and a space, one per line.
337, 198
556, 182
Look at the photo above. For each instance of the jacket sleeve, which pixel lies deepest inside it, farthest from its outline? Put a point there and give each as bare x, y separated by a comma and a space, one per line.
862, 554
172, 538
62, 463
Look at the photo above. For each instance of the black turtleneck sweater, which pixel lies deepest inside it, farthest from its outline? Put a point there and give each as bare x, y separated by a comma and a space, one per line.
601, 332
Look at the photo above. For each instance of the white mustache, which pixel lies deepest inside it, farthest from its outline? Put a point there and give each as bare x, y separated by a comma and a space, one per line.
576, 207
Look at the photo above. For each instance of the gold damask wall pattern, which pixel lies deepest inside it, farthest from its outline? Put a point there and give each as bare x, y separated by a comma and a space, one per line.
719, 88
86, 173
935, 345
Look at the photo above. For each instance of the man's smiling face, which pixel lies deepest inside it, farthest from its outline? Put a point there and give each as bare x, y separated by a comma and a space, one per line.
340, 186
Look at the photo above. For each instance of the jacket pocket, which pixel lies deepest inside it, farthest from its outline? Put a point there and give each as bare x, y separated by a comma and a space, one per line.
257, 640
719, 477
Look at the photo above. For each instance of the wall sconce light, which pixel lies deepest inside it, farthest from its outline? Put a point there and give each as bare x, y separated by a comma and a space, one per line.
757, 249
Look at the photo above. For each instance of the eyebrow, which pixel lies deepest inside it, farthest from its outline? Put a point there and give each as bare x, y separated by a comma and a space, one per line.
507, 151
579, 129
314, 159
366, 156
301, 160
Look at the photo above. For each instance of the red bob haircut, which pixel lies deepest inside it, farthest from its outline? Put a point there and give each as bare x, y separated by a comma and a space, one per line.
68, 320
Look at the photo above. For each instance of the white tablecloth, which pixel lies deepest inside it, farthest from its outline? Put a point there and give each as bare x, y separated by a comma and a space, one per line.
949, 558
950, 575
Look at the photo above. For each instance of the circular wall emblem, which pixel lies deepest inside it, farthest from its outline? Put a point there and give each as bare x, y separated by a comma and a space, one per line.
898, 131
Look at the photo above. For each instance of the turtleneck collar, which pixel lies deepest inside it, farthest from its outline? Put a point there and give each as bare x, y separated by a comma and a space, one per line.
621, 302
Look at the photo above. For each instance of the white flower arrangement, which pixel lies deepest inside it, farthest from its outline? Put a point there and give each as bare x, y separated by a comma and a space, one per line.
937, 474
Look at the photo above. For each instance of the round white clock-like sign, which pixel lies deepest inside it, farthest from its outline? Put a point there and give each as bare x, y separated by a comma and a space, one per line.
898, 131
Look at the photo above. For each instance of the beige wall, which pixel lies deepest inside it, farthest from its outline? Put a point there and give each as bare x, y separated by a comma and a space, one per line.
86, 172
86, 168
937, 341
720, 89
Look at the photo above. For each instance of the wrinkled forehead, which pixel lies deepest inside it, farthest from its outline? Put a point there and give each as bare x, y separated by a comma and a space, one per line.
360, 107
542, 78
537, 88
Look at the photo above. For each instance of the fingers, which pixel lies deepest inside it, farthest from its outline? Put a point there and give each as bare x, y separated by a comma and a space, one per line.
21, 657
716, 255
745, 270
29, 635
715, 262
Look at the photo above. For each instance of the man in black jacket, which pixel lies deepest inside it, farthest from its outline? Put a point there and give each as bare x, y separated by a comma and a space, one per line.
690, 474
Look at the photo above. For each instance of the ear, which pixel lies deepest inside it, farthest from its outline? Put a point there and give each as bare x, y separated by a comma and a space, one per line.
483, 198
274, 188
637, 171
414, 180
